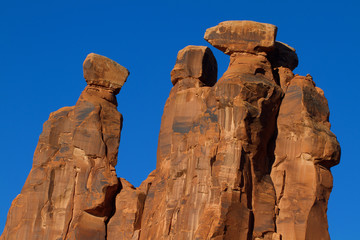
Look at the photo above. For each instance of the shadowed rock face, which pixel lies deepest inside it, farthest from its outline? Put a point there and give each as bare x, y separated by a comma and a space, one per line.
246, 157
196, 62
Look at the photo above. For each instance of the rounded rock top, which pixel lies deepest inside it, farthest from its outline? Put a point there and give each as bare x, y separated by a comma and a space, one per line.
195, 62
242, 36
102, 71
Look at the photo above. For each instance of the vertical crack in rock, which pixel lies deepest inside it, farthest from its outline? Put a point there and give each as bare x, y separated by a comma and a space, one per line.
126, 221
72, 208
251, 226
112, 200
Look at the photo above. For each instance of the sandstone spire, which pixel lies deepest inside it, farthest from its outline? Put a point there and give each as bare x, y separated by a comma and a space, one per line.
244, 157
69, 193
248, 101
305, 151
179, 193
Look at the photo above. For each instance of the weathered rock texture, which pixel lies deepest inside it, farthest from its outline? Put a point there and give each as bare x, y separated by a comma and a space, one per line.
242, 36
104, 72
69, 193
305, 150
246, 157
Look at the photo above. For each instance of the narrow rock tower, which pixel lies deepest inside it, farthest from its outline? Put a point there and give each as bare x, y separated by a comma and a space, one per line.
70, 191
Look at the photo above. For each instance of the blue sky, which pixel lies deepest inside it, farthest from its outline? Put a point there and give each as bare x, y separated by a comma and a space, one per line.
43, 45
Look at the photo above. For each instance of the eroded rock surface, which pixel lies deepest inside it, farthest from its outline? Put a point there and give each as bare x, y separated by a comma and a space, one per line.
197, 62
222, 166
244, 157
305, 151
70, 191
104, 72
179, 195
242, 36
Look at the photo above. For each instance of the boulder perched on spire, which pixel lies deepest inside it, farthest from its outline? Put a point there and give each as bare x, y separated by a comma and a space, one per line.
104, 72
242, 36
71, 188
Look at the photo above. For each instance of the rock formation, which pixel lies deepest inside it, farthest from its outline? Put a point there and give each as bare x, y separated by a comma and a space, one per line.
244, 157
305, 151
69, 193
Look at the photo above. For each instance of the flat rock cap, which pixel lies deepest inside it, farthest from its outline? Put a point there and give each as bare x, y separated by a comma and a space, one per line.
102, 71
242, 36
195, 62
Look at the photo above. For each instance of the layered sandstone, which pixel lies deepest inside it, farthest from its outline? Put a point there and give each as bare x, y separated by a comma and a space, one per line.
244, 157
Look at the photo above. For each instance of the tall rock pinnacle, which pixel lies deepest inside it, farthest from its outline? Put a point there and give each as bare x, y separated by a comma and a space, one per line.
69, 193
248, 100
305, 151
178, 196
244, 157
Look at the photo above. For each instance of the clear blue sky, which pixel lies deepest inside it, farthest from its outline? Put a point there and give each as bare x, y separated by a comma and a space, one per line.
43, 45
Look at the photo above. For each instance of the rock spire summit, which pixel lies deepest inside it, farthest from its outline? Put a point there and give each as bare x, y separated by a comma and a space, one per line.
104, 72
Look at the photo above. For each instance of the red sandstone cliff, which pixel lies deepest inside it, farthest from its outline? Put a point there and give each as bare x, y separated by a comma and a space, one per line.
244, 157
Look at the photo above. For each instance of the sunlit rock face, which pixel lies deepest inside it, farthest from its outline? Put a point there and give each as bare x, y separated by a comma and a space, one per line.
244, 157
180, 192
223, 170
69, 193
305, 151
